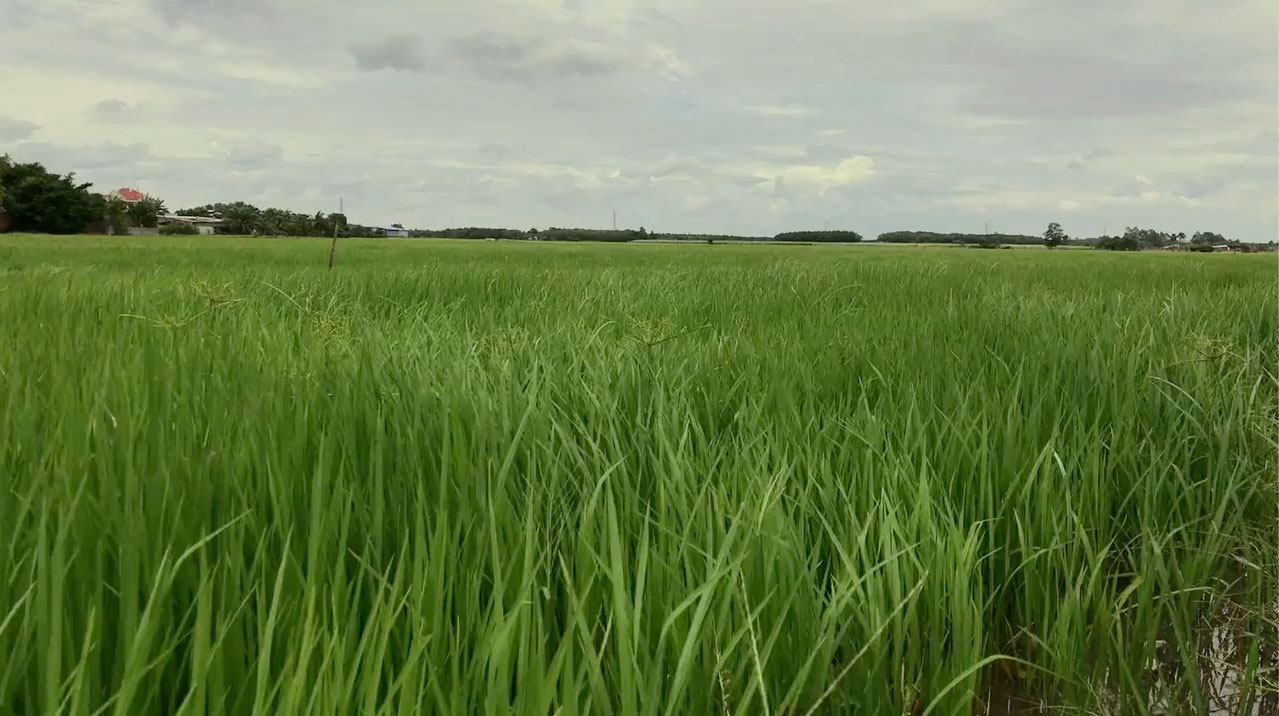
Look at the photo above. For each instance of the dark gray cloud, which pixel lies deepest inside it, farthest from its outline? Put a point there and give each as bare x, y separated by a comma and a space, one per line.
400, 52
1059, 85
12, 130
84, 158
1138, 58
111, 107
1200, 187
248, 154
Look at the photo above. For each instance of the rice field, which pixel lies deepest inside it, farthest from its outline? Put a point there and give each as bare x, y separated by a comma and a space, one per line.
504, 478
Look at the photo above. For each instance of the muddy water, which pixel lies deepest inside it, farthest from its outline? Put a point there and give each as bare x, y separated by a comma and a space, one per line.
1222, 673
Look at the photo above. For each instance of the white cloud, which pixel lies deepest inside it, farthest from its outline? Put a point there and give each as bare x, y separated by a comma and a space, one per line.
696, 202
853, 170
781, 110
664, 62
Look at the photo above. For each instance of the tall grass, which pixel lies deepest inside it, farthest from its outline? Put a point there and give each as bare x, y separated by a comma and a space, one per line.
500, 478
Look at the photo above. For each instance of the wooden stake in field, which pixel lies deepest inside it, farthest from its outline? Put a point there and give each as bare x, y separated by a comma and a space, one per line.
333, 247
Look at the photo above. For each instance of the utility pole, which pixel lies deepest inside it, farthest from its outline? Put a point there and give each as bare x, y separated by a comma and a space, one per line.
615, 220
333, 247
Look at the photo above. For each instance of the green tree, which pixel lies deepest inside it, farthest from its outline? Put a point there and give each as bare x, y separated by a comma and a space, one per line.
241, 218
116, 214
146, 212
5, 164
1055, 236
39, 201
328, 224
340, 221
1127, 242
1207, 238
1143, 238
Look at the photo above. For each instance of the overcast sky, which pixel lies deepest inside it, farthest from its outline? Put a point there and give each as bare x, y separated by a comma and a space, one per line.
743, 116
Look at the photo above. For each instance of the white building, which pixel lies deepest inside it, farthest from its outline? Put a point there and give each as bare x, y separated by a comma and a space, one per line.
204, 224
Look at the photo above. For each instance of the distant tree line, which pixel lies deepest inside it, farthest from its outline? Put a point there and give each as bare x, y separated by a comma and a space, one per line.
819, 236
556, 233
242, 219
706, 238
470, 232
1136, 238
1208, 238
932, 237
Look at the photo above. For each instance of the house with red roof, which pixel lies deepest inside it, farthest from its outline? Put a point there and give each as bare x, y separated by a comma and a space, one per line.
127, 195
